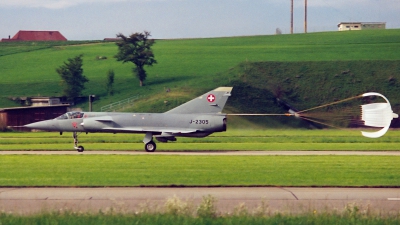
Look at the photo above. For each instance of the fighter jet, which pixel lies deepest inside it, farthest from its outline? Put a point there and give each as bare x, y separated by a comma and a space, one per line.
199, 117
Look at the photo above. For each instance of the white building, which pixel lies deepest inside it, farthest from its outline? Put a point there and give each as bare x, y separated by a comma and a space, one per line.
45, 101
343, 26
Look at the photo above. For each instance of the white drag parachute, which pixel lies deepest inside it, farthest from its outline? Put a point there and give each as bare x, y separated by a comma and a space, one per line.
377, 115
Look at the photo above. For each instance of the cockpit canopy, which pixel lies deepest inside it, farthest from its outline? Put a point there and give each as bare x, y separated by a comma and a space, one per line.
70, 115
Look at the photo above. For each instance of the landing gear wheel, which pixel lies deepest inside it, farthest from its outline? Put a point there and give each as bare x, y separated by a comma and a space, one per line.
150, 146
80, 148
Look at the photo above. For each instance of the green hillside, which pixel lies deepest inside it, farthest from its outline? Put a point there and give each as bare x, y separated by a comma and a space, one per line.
305, 85
307, 68
309, 84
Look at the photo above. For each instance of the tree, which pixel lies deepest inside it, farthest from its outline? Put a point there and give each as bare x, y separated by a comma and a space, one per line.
71, 74
110, 82
136, 49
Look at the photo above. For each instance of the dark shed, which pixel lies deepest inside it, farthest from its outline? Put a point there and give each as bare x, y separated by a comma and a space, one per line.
17, 117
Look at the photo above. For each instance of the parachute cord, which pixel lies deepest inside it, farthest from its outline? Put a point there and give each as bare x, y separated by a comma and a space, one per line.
333, 103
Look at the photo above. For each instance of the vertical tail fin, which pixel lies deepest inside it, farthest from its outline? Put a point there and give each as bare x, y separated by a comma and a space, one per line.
210, 102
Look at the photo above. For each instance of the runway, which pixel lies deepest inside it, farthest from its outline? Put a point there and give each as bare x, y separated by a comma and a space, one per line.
221, 153
383, 201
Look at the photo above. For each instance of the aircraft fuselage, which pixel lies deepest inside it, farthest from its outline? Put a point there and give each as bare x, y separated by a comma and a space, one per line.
201, 124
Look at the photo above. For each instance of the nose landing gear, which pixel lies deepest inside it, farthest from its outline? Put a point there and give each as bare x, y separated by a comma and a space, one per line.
79, 148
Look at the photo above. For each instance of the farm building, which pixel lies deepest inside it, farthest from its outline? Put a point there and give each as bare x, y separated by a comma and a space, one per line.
24, 35
112, 39
19, 116
45, 101
343, 26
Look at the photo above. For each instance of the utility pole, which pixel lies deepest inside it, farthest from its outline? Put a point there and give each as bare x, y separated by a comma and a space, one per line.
291, 17
91, 99
305, 16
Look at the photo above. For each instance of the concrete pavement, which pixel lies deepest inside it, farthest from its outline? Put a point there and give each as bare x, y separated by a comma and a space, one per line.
131, 200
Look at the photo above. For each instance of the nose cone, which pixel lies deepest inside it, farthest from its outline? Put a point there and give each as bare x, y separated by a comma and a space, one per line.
51, 125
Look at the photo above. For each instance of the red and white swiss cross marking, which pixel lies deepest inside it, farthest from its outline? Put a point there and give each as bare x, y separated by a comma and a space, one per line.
211, 98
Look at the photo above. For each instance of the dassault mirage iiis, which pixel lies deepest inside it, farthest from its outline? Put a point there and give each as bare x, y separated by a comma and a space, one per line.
199, 117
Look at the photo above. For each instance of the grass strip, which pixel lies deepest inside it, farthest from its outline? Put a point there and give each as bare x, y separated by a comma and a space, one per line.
159, 170
101, 218
234, 139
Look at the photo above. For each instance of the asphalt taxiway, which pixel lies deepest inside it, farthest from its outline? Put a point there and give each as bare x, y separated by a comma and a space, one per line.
382, 201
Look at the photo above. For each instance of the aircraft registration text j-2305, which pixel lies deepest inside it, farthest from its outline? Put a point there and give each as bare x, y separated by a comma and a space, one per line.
199, 117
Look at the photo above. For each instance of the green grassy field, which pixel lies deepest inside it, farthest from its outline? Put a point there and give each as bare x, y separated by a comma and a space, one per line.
193, 170
189, 66
160, 170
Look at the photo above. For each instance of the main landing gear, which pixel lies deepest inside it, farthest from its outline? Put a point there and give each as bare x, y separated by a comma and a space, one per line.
149, 144
80, 147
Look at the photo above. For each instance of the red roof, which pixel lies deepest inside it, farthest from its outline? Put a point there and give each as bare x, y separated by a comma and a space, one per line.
24, 35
